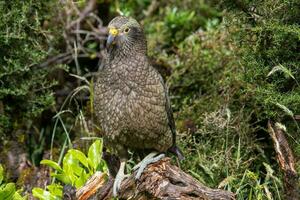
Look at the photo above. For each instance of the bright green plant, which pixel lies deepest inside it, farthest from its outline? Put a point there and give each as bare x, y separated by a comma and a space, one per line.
8, 190
75, 170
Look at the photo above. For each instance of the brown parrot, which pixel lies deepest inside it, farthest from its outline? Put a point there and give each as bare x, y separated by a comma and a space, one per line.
131, 100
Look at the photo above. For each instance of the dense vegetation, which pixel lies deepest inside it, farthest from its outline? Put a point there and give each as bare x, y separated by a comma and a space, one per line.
230, 65
25, 91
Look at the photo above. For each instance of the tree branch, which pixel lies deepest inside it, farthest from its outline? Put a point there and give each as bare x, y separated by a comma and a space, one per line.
161, 180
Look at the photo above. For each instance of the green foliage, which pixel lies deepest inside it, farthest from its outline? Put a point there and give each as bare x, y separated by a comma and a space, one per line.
175, 23
251, 67
234, 65
8, 190
53, 192
230, 75
131, 7
268, 35
76, 170
24, 42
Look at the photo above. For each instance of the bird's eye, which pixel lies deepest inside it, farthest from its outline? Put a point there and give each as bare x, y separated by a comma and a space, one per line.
126, 30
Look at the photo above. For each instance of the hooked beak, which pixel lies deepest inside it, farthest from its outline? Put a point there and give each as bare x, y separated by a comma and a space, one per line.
113, 33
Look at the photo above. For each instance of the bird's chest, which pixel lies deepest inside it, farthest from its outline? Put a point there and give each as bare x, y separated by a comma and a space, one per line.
120, 102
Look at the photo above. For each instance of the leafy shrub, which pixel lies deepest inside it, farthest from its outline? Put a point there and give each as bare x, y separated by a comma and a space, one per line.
268, 36
76, 170
25, 90
176, 21
8, 190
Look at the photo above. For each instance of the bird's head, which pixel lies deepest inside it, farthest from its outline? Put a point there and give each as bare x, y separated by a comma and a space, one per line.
126, 35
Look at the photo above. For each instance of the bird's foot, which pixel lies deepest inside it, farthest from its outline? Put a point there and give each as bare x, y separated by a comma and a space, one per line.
151, 158
119, 178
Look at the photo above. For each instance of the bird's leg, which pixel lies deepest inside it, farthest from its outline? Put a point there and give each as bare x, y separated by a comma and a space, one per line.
119, 178
150, 158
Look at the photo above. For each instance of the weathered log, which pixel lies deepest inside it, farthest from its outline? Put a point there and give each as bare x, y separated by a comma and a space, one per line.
160, 180
286, 160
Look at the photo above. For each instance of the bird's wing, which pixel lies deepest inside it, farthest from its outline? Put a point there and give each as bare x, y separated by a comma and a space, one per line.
171, 121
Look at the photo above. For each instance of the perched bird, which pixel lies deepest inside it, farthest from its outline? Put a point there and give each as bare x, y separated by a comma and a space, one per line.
131, 99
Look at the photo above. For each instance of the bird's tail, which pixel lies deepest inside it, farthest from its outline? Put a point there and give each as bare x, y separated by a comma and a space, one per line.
176, 151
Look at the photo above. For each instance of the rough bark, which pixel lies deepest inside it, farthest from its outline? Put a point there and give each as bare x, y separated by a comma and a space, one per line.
286, 160
160, 180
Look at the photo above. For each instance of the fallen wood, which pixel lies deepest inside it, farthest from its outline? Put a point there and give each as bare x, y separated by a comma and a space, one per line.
286, 160
160, 180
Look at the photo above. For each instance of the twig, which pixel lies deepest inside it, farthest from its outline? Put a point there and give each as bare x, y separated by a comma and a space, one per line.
76, 38
89, 8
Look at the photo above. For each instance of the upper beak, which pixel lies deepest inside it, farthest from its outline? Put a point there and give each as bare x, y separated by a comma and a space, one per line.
113, 33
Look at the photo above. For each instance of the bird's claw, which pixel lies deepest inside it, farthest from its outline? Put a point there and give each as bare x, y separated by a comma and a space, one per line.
118, 180
117, 184
151, 158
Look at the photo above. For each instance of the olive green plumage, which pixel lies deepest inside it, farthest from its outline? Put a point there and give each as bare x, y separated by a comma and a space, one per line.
131, 100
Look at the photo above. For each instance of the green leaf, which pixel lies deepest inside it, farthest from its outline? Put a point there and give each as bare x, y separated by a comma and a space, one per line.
63, 178
208, 171
92, 45
17, 196
69, 171
95, 154
80, 156
1, 173
285, 70
285, 109
102, 166
55, 189
43, 194
52, 164
81, 180
70, 161
8, 191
